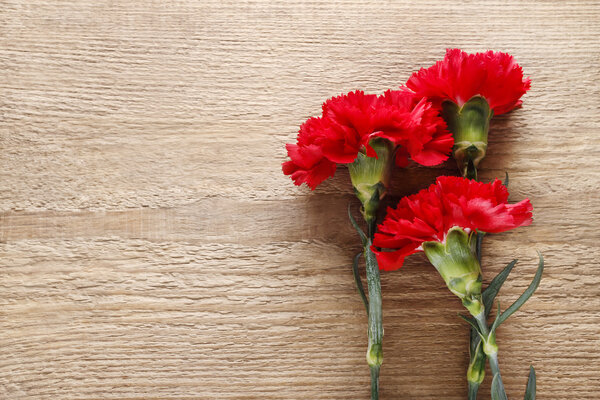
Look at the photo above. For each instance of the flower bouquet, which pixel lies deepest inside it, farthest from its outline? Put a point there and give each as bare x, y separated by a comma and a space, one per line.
442, 110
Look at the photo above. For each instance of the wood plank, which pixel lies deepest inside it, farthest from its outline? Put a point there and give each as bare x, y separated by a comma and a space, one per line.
150, 247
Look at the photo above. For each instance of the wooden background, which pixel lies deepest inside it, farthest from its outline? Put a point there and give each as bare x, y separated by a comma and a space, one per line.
152, 249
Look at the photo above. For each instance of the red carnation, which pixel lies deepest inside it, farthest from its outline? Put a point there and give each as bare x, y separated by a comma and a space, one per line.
349, 123
308, 164
494, 76
420, 132
451, 201
364, 132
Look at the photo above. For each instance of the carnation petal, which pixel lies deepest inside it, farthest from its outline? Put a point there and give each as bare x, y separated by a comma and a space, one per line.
451, 201
460, 76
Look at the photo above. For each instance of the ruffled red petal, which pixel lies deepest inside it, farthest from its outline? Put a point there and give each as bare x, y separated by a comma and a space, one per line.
349, 119
348, 124
459, 76
308, 165
415, 126
451, 201
390, 260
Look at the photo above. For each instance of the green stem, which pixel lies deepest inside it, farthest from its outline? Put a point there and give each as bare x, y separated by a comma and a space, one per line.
492, 357
474, 337
473, 388
471, 172
375, 383
371, 225
375, 330
374, 285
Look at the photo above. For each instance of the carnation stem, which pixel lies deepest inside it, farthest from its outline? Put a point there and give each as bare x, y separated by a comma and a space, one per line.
473, 389
375, 383
375, 330
471, 172
493, 357
474, 337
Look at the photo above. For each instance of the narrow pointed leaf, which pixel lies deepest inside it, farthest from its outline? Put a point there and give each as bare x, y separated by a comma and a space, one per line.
362, 235
496, 323
530, 391
489, 294
358, 282
471, 322
475, 340
505, 179
527, 294
497, 392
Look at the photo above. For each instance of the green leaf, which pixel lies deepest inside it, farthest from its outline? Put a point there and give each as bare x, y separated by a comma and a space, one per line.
475, 340
530, 391
358, 282
489, 294
497, 392
527, 294
505, 183
471, 322
363, 238
496, 321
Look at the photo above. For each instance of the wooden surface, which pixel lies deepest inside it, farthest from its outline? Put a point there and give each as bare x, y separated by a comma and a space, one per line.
152, 249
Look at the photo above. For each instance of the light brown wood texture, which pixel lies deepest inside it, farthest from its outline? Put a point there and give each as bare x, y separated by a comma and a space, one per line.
152, 249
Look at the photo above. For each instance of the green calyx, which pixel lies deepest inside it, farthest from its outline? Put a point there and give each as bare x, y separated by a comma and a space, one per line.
476, 370
458, 265
470, 125
370, 176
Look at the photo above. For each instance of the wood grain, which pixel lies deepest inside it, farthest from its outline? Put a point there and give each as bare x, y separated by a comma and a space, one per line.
150, 247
